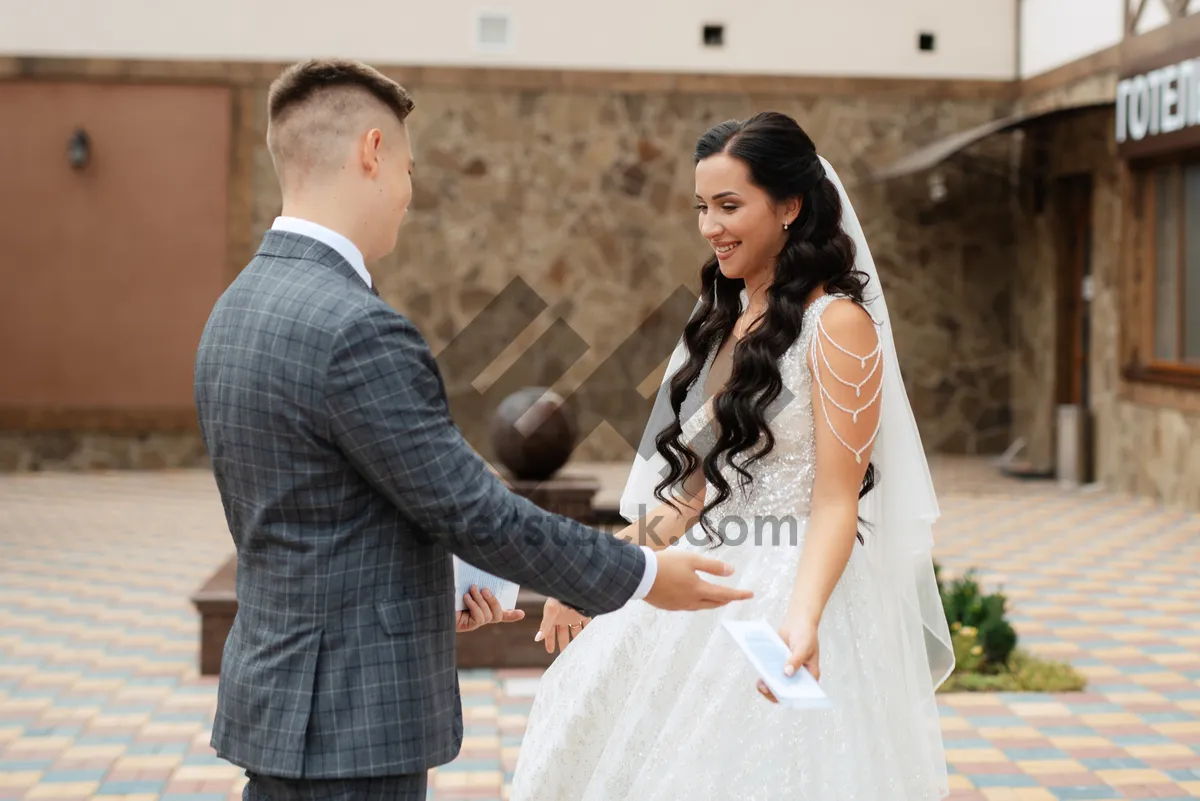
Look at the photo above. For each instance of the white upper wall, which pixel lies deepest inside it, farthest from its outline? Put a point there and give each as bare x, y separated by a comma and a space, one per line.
973, 38
1155, 15
1056, 32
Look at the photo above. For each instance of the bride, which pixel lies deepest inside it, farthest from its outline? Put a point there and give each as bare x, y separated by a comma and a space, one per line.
782, 399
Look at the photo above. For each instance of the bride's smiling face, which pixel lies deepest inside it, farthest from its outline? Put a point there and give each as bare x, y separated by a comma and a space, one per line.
740, 221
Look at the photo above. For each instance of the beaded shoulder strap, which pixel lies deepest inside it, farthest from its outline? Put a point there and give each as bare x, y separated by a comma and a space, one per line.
870, 364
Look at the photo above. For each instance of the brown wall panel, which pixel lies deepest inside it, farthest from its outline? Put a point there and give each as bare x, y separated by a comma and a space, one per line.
108, 273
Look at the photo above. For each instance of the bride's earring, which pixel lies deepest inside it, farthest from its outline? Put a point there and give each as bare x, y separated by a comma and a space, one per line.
785, 225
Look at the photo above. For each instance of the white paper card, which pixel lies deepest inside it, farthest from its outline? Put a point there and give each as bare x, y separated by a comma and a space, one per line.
466, 576
767, 651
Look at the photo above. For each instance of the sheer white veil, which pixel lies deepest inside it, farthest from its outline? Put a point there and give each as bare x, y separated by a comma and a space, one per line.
899, 512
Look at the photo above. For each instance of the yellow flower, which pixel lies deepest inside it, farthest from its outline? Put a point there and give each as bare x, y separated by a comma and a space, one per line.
956, 626
977, 650
969, 631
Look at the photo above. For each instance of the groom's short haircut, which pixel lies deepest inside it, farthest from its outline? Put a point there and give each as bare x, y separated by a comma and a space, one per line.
314, 105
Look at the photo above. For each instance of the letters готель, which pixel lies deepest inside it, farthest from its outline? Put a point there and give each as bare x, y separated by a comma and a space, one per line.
1163, 100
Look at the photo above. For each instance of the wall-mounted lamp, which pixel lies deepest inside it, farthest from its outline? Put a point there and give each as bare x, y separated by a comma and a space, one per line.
79, 149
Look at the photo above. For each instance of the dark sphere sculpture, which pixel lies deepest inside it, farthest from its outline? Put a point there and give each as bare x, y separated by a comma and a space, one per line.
532, 434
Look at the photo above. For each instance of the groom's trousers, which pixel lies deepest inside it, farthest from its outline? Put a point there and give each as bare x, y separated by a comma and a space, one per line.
411, 787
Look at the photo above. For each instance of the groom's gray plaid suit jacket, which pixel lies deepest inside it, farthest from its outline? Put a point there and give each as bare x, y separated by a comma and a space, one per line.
347, 487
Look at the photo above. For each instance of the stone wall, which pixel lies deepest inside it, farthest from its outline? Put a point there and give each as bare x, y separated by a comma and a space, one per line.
948, 268
587, 197
1034, 339
1149, 433
1090, 141
89, 450
1147, 437
1154, 451
584, 193
1080, 144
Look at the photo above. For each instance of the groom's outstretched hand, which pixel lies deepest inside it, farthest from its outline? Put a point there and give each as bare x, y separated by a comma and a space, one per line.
678, 587
482, 608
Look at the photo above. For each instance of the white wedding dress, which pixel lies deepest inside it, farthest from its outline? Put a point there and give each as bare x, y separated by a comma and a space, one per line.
646, 705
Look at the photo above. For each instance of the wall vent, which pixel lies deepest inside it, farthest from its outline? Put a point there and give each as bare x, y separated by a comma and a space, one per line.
713, 35
493, 31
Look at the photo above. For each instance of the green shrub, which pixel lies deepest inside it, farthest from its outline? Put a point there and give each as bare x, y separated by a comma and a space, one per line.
1026, 673
993, 608
1043, 675
985, 645
998, 639
968, 654
962, 601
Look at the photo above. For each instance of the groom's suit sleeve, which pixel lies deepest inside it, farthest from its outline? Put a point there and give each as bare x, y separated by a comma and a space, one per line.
388, 413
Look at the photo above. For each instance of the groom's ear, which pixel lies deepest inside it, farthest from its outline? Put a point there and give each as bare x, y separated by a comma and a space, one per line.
368, 151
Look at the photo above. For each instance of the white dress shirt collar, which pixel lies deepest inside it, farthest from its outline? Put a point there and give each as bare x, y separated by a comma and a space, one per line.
327, 236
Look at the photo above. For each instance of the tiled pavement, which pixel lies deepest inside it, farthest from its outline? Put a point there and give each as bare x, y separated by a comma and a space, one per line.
99, 695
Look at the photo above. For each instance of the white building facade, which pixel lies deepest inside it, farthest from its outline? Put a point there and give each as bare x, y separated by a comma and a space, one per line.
881, 38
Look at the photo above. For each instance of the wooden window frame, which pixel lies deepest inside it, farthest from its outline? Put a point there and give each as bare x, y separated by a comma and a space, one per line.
1150, 369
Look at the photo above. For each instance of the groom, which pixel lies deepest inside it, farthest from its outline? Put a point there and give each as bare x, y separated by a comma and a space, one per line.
347, 487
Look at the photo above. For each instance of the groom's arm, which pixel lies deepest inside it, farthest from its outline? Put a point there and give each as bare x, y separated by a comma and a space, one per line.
389, 414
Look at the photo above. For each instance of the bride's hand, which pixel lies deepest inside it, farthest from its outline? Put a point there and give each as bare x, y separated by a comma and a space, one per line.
560, 624
799, 633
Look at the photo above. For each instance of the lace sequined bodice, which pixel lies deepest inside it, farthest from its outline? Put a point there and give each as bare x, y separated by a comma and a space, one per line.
783, 478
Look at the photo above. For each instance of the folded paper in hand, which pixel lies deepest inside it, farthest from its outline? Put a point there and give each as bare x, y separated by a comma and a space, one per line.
767, 651
466, 576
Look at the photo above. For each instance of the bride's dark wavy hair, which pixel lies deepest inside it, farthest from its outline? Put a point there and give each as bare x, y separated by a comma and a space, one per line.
782, 161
